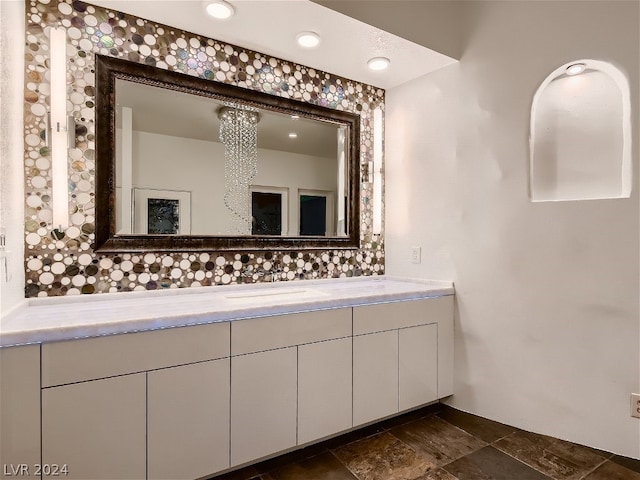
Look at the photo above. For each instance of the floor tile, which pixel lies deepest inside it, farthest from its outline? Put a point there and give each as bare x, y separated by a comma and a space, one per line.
484, 429
491, 464
629, 463
383, 457
411, 416
438, 441
321, 467
556, 458
438, 474
291, 457
353, 436
247, 473
612, 471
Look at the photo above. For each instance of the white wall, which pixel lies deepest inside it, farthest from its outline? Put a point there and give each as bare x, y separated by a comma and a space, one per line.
176, 163
547, 321
11, 151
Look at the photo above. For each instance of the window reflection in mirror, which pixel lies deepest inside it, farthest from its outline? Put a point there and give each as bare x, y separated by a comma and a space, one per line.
168, 143
315, 208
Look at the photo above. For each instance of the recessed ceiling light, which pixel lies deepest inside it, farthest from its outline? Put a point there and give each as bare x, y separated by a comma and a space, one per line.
378, 63
295, 117
293, 135
576, 69
219, 9
308, 39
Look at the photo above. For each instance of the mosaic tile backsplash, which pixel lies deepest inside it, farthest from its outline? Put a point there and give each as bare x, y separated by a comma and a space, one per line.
65, 264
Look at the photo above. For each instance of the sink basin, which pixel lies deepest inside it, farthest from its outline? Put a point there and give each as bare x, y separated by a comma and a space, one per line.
275, 295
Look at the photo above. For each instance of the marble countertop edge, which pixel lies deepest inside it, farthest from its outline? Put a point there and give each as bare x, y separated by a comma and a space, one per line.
59, 320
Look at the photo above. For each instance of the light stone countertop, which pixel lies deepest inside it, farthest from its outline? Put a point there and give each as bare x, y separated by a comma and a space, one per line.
64, 318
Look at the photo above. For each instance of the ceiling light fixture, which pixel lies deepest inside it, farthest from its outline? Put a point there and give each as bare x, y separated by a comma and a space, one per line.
308, 39
378, 63
295, 117
219, 9
576, 69
293, 135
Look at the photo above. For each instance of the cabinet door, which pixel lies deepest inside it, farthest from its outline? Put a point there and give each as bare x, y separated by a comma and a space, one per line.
75, 361
324, 389
98, 428
263, 404
188, 420
418, 366
375, 376
443, 313
19, 410
282, 331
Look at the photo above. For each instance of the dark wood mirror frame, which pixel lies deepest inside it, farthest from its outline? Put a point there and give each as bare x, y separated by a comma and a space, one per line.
108, 69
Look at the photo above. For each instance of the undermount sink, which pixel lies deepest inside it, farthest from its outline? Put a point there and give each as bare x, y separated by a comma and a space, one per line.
277, 295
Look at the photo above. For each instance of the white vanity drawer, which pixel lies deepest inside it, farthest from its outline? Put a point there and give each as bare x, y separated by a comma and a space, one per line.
267, 333
92, 358
389, 316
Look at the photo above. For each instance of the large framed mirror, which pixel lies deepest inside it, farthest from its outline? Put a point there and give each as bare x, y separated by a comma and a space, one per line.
189, 164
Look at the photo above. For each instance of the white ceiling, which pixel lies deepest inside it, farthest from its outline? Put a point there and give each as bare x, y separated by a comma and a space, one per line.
271, 26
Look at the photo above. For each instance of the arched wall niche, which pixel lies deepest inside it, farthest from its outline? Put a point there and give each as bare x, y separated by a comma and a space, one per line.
580, 135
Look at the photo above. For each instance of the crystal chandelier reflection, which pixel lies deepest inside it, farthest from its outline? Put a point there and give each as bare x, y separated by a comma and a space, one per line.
239, 135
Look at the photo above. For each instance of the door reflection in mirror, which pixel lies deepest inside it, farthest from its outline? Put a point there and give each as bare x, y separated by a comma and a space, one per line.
266, 215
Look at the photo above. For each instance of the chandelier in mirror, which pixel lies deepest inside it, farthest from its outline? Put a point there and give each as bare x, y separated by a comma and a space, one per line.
160, 166
239, 135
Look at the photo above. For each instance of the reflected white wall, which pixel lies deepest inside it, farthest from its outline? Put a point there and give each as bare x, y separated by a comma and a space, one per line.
165, 162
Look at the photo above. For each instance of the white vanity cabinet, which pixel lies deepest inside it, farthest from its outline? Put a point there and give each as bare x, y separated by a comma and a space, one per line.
375, 376
75, 361
417, 366
97, 429
193, 401
104, 397
20, 411
324, 389
263, 404
393, 371
188, 420
282, 370
402, 356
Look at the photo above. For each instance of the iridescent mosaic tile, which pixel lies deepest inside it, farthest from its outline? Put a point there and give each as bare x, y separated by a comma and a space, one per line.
65, 264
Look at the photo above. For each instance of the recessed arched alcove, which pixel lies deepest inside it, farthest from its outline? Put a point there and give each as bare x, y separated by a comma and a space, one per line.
580, 137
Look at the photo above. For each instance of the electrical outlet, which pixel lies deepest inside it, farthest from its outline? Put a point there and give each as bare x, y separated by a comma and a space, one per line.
415, 254
635, 405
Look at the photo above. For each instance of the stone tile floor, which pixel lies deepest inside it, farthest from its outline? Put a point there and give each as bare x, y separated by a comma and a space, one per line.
441, 443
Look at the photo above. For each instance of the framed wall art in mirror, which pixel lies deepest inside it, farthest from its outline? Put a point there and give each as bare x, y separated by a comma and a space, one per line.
161, 212
159, 130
